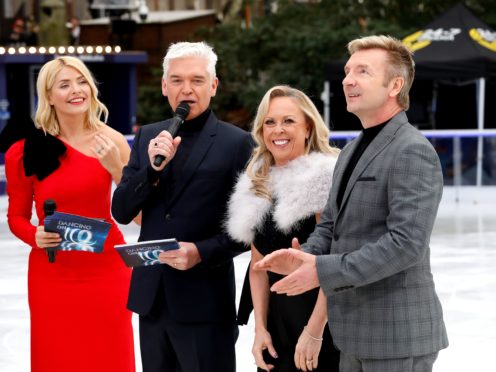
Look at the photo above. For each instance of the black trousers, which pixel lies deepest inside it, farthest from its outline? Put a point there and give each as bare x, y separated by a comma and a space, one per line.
178, 347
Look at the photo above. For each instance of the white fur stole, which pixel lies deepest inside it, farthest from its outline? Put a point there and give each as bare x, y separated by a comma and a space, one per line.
300, 189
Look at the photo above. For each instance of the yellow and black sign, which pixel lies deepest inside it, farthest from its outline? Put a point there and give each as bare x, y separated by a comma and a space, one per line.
485, 38
423, 38
413, 43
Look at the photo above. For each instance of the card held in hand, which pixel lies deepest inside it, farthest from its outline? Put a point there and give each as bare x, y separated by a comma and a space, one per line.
78, 233
145, 253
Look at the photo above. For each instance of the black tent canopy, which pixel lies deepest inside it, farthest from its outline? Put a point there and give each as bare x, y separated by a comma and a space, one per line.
457, 45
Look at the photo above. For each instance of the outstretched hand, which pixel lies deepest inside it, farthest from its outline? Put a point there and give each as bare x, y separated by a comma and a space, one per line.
297, 265
281, 261
295, 244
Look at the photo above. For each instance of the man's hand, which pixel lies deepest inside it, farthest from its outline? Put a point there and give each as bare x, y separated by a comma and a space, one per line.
299, 265
295, 244
163, 145
183, 258
280, 261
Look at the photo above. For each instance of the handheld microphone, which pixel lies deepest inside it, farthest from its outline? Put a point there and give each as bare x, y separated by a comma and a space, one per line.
49, 207
182, 111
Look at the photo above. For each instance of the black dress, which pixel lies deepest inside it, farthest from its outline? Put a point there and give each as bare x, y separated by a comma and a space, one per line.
288, 314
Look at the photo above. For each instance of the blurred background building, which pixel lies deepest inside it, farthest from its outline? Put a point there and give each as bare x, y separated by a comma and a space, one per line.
114, 37
261, 43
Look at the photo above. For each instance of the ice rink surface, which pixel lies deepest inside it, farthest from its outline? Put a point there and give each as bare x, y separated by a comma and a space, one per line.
463, 256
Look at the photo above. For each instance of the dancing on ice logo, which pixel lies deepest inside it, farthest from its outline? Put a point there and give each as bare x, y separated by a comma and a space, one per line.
77, 239
150, 257
145, 253
78, 233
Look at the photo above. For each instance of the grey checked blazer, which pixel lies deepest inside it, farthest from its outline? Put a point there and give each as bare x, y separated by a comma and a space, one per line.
374, 255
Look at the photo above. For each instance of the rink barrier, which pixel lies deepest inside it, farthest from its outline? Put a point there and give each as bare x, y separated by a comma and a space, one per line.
468, 156
481, 169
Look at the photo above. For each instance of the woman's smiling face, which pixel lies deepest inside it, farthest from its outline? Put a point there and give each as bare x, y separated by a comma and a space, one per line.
71, 93
285, 130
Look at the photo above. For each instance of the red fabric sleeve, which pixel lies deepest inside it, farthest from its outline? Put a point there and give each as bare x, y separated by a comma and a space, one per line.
20, 192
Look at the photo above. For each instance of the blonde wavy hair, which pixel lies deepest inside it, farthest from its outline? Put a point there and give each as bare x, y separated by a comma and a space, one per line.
46, 117
261, 160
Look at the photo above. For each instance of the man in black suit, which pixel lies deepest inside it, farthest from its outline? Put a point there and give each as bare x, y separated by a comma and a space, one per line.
187, 305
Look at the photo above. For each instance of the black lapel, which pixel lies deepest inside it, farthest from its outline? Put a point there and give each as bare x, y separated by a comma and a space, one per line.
382, 140
200, 150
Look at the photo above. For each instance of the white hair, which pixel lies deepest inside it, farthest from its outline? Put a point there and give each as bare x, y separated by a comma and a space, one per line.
187, 49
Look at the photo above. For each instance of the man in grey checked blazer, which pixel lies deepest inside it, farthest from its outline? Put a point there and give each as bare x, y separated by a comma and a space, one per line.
370, 252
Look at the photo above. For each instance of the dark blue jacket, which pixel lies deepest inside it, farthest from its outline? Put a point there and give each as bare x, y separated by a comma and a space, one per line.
194, 213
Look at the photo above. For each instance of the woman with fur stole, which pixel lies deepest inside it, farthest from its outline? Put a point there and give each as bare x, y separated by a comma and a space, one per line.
276, 203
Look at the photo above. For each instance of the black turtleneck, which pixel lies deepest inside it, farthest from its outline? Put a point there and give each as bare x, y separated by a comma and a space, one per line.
189, 133
368, 136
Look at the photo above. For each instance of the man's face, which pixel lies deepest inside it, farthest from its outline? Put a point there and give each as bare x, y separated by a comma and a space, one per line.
365, 88
188, 80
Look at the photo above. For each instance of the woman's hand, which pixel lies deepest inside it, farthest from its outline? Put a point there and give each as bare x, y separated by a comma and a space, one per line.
307, 351
263, 341
108, 153
46, 239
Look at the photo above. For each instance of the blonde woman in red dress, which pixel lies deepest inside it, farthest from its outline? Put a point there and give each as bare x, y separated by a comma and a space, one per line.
79, 320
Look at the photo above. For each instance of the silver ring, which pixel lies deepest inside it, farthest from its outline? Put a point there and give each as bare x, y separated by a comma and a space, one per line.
99, 150
310, 361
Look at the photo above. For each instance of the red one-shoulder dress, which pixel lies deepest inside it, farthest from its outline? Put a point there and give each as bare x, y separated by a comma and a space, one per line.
79, 320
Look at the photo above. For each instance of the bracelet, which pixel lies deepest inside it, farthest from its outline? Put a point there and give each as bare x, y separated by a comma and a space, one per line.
312, 337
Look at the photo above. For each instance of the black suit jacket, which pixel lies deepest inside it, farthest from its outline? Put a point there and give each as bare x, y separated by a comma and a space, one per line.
194, 213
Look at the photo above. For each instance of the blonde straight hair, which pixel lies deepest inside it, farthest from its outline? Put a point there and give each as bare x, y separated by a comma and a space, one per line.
46, 117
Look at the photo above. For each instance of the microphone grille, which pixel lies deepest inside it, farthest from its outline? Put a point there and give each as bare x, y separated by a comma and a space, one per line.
183, 109
49, 206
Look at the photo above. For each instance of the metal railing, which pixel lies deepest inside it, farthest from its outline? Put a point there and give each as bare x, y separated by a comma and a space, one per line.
468, 157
